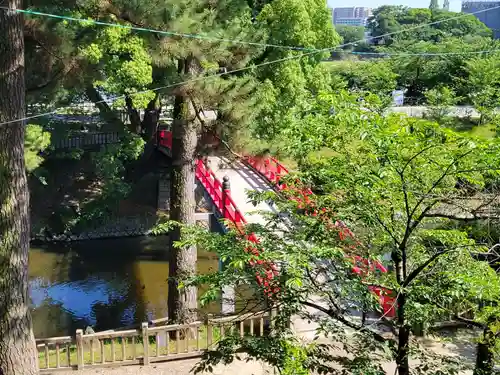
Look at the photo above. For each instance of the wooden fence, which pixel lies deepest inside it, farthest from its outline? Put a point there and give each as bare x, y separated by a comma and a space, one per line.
87, 140
144, 345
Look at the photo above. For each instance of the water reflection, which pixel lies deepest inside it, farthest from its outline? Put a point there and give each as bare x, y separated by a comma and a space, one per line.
104, 284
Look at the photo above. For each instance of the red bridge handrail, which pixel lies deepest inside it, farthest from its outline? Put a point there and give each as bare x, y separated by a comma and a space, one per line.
222, 201
274, 171
228, 209
270, 168
164, 138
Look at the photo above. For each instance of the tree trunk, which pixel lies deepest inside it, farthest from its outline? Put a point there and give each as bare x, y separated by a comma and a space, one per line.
402, 355
182, 304
402, 359
18, 354
151, 118
113, 122
484, 353
135, 125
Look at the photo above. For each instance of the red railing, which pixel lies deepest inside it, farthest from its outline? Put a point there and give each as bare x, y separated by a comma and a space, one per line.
270, 168
229, 211
221, 199
274, 171
164, 138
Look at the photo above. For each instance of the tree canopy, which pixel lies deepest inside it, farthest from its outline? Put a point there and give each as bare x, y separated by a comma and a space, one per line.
350, 34
389, 19
399, 184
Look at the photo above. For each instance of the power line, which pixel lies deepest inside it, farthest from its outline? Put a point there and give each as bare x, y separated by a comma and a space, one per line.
173, 33
155, 31
201, 78
429, 54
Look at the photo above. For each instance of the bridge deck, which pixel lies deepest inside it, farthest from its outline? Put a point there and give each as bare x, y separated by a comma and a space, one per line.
243, 179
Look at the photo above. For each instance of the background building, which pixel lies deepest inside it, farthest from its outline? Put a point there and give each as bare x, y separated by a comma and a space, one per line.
490, 18
355, 16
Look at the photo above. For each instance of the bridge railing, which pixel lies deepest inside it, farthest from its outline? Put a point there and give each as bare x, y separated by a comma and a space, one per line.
87, 140
164, 138
270, 168
274, 171
222, 200
225, 205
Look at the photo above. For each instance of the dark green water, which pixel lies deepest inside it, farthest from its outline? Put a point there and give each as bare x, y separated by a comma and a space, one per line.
104, 284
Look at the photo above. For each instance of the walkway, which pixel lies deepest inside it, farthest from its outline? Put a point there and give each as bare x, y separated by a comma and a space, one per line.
181, 367
242, 179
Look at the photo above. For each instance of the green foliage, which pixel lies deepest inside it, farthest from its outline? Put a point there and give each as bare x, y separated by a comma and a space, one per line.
350, 34
418, 67
440, 102
290, 83
398, 183
421, 73
389, 19
110, 187
122, 60
36, 140
483, 80
377, 76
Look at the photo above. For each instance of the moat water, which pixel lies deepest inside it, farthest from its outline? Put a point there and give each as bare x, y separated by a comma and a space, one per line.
104, 284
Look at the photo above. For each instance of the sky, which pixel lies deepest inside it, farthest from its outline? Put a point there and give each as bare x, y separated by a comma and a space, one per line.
455, 5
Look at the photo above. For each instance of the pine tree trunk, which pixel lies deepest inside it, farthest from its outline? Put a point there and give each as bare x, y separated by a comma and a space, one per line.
112, 121
182, 304
151, 118
17, 344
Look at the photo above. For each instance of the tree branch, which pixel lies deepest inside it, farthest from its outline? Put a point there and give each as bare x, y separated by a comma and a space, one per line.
416, 156
378, 337
468, 321
420, 268
438, 181
459, 317
387, 230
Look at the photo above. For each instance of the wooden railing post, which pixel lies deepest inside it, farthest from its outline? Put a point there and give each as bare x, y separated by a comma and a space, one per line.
145, 343
274, 313
79, 349
210, 333
226, 190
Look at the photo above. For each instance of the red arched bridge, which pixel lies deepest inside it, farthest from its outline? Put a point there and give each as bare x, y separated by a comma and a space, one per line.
261, 174
246, 173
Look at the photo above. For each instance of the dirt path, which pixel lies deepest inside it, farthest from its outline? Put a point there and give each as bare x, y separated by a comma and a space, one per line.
181, 367
459, 343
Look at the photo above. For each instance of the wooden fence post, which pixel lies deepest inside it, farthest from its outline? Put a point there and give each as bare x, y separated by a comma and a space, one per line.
79, 349
210, 333
274, 313
145, 343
